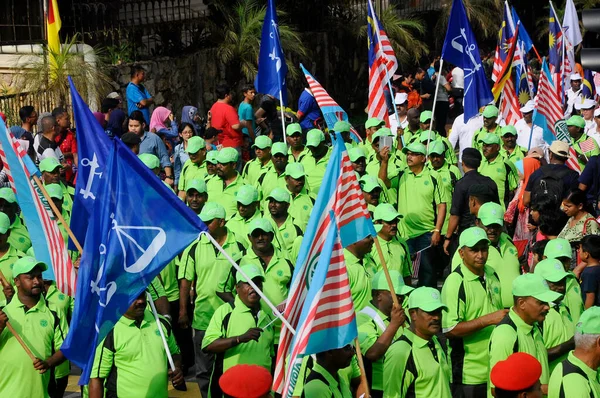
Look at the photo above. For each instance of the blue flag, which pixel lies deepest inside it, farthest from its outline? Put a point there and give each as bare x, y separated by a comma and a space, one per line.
526, 42
272, 68
460, 49
93, 146
137, 228
588, 88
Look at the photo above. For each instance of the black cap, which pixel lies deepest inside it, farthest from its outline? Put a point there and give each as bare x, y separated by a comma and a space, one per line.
130, 139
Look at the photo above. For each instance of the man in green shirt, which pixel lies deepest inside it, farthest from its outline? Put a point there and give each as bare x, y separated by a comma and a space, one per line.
195, 195
195, 167
42, 329
320, 152
519, 331
372, 191
379, 324
472, 294
297, 152
248, 210
510, 150
19, 236
325, 379
416, 364
287, 233
577, 375
50, 168
8, 256
225, 187
426, 136
372, 125
275, 176
211, 165
383, 162
361, 269
394, 248
503, 172
358, 157
301, 201
490, 126
259, 165
240, 332
448, 172
576, 126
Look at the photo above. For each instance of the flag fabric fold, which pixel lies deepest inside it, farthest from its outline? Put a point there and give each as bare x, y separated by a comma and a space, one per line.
588, 88
555, 51
524, 38
53, 25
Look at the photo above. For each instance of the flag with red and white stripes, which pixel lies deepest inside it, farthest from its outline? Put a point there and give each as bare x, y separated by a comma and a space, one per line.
382, 65
587, 145
509, 106
46, 238
319, 304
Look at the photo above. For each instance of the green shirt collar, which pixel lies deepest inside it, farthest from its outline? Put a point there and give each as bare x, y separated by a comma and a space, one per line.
519, 323
40, 306
468, 275
148, 318
417, 341
331, 380
591, 374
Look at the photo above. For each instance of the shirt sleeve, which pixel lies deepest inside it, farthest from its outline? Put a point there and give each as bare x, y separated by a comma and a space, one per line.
588, 173
163, 155
317, 389
60, 332
456, 307
134, 94
103, 361
214, 330
396, 378
304, 103
186, 265
502, 343
367, 333
231, 116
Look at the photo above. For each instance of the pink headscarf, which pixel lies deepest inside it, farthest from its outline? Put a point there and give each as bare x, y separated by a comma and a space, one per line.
157, 121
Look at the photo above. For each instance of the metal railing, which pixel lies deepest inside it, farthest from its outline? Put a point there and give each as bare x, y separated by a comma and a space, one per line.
10, 105
21, 22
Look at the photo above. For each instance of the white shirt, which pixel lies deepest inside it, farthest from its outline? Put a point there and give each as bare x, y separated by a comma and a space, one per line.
524, 131
458, 78
572, 97
590, 130
394, 123
462, 133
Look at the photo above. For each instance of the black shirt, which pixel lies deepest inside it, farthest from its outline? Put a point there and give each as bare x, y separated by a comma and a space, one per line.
269, 105
590, 282
460, 198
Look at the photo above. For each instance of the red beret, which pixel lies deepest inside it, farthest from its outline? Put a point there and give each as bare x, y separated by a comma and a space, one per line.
518, 372
246, 381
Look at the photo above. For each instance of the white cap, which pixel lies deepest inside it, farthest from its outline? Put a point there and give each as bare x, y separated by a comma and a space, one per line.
575, 76
597, 112
401, 98
588, 104
113, 95
528, 107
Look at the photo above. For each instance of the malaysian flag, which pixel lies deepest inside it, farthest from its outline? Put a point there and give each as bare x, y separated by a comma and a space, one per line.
588, 88
505, 73
555, 48
505, 43
340, 207
46, 239
382, 65
332, 112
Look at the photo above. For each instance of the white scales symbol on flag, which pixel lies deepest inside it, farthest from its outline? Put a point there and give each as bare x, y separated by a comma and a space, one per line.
469, 51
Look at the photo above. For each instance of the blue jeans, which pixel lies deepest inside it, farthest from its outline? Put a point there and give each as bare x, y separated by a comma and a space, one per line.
427, 274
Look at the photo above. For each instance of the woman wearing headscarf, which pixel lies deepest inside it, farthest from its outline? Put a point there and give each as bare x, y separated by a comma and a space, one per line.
159, 120
189, 114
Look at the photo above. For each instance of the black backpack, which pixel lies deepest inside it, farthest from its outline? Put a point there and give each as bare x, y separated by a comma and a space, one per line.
550, 184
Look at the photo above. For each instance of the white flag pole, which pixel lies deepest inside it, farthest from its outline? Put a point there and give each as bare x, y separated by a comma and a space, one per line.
162, 333
437, 87
282, 111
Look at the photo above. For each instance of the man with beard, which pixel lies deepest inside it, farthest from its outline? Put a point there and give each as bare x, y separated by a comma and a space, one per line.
274, 177
519, 331
358, 157
490, 126
298, 152
224, 189
416, 365
503, 172
196, 195
372, 191
510, 151
301, 201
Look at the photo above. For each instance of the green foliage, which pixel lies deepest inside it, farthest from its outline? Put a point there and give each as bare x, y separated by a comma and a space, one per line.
485, 17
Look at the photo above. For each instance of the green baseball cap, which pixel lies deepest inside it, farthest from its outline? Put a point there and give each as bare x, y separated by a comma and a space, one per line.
25, 264
379, 282
386, 212
551, 270
425, 116
509, 130
427, 299
533, 285
472, 236
368, 183
4, 223
49, 165
8, 195
314, 137
279, 194
436, 147
227, 155
576, 121
260, 223
589, 321
150, 160
279, 148
197, 184
212, 210
373, 122
356, 153
262, 142
490, 111
490, 139
415, 147
293, 128
54, 191
491, 213
427, 135
252, 271
341, 126
246, 195
295, 170
558, 248
211, 157
382, 132
195, 144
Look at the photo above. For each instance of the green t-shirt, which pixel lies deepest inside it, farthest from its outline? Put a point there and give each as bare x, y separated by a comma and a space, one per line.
573, 384
336, 387
239, 226
241, 319
558, 327
573, 299
517, 154
191, 171
360, 274
43, 331
286, 234
410, 363
19, 236
300, 208
254, 169
169, 280
504, 173
577, 146
396, 255
315, 174
156, 289
449, 175
225, 195
132, 359
395, 165
467, 298
6, 264
265, 184
479, 134
203, 263
305, 157
63, 305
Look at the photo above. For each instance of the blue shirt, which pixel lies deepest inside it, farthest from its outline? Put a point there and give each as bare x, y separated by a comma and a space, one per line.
307, 104
589, 177
590, 282
180, 156
135, 93
245, 112
151, 143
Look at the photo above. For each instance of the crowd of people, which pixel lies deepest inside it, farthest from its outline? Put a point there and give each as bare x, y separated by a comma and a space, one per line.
490, 239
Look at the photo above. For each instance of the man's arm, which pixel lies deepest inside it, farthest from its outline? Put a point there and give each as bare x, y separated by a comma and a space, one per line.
96, 388
466, 328
452, 225
381, 345
184, 297
383, 167
561, 349
223, 344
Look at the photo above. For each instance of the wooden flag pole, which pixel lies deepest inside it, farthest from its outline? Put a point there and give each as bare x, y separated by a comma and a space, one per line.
387, 273
58, 214
12, 329
364, 384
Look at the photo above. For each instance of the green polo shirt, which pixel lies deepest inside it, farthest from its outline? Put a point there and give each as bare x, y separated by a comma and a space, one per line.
63, 305
517, 154
467, 298
360, 274
301, 207
418, 365
573, 384
479, 134
449, 175
326, 385
203, 263
506, 340
573, 299
43, 331
305, 158
558, 327
241, 319
191, 171
395, 165
169, 280
371, 324
239, 226
156, 289
19, 236
266, 183
418, 198
315, 174
396, 255
225, 195
504, 174
132, 359
6, 264
286, 234
254, 169
68, 193
577, 146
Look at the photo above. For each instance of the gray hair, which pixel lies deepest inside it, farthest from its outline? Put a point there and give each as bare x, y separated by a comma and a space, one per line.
585, 341
48, 123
